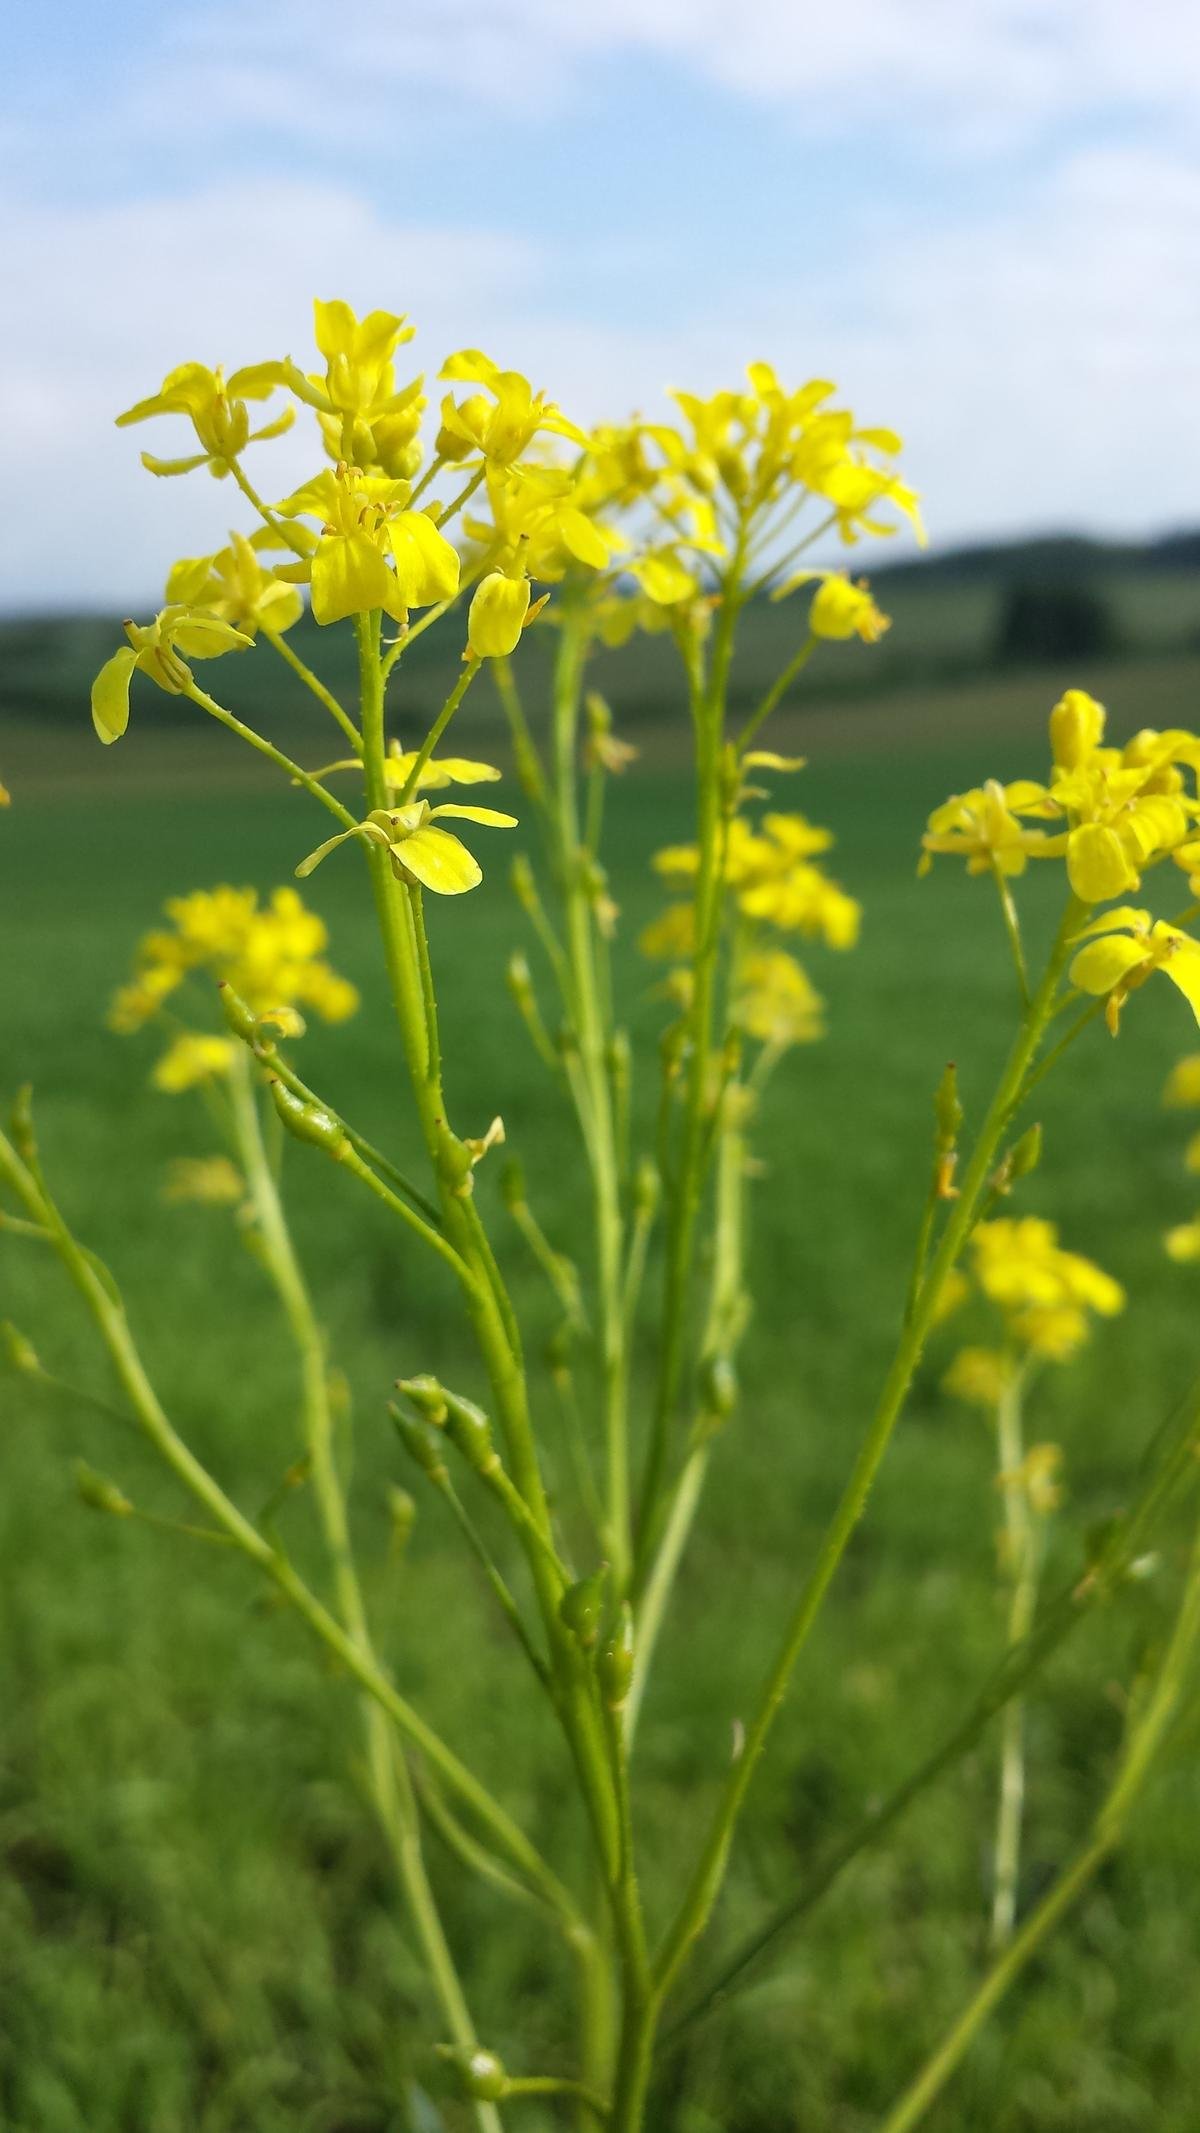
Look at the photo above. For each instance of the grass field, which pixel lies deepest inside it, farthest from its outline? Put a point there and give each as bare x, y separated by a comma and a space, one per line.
197, 1929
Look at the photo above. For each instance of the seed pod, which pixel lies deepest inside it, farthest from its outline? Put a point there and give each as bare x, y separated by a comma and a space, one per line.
426, 1394
582, 1607
470, 1432
614, 1661
237, 1015
310, 1122
421, 1441
100, 1494
947, 1111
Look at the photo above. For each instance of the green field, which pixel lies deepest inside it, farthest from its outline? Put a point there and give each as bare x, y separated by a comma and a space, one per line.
197, 1929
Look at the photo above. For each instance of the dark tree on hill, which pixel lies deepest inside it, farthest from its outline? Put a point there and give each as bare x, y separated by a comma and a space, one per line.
1053, 623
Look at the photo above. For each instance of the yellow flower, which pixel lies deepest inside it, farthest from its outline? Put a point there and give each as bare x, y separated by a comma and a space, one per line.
371, 552
538, 527
1183, 1083
775, 1001
1076, 729
982, 827
670, 936
1183, 1242
421, 854
5, 796
271, 954
209, 1180
192, 1059
499, 423
155, 649
1044, 1292
980, 1376
840, 609
234, 586
498, 614
1130, 951
436, 771
1038, 1478
216, 408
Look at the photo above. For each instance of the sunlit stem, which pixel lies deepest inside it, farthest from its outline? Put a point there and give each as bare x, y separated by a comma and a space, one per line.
390, 1782
706, 1881
470, 670
1143, 1743
287, 533
1012, 927
775, 694
273, 755
312, 681
1021, 1551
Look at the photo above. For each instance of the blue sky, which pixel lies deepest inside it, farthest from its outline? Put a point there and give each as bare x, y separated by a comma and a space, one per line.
981, 216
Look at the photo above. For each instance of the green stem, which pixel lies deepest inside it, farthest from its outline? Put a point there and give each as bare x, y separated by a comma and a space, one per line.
391, 1784
584, 1003
701, 1894
471, 668
1021, 1545
150, 1417
1143, 1744
1012, 927
1168, 1467
273, 755
777, 690
686, 1186
311, 681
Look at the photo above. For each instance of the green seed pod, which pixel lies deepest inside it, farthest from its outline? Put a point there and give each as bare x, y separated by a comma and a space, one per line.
237, 1015
718, 1387
470, 1433
309, 1122
21, 1123
947, 1111
1025, 1154
614, 1661
421, 1441
480, 2073
581, 1607
100, 1494
524, 886
402, 1513
426, 1394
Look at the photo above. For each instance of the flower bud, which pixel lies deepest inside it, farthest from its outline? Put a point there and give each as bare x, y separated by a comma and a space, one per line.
581, 1607
614, 1661
1076, 728
427, 1395
718, 1388
100, 1494
947, 1111
237, 1015
402, 1515
524, 887
497, 615
480, 2073
470, 1432
421, 1441
310, 1122
1026, 1153
21, 1123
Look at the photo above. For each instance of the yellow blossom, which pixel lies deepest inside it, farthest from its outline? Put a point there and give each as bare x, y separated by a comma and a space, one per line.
272, 956
1130, 950
1183, 1242
1039, 1478
421, 853
191, 1059
776, 1002
981, 1376
155, 649
210, 1181
1076, 728
234, 586
840, 609
371, 552
216, 408
982, 827
498, 614
1183, 1083
500, 422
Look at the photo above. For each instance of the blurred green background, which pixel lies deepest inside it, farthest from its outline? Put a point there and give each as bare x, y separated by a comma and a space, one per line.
197, 1927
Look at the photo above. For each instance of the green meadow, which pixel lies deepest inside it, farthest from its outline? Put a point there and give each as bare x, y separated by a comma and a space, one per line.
198, 1932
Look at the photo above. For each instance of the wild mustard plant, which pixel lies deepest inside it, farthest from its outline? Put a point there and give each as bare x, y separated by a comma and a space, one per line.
496, 517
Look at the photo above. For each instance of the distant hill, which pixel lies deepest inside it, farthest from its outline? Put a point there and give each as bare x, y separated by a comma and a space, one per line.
1064, 558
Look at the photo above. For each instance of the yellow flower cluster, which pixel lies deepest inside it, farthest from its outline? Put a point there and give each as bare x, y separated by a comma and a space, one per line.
642, 505
1118, 810
272, 955
1043, 1293
774, 881
421, 853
